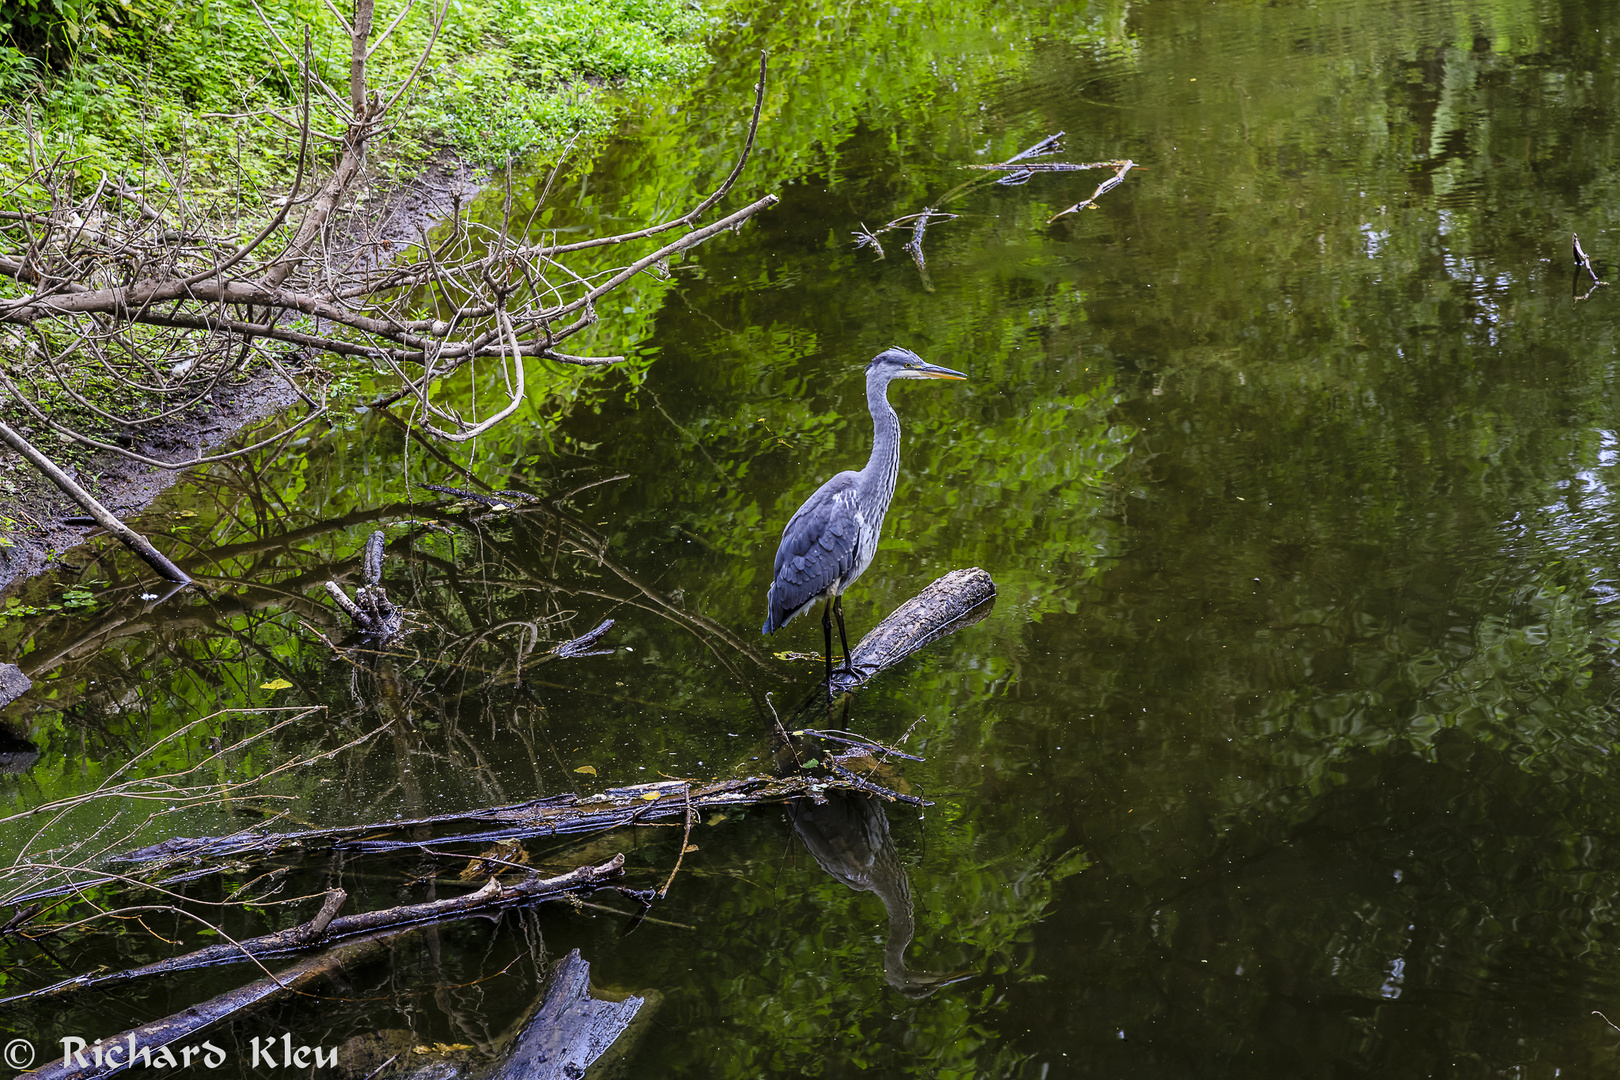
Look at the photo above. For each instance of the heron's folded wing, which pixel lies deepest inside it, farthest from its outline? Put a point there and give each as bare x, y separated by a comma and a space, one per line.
819, 548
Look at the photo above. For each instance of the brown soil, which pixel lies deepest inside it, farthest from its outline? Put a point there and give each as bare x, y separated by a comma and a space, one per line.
126, 487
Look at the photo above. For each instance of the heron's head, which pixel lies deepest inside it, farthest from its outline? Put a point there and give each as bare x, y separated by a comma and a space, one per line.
898, 363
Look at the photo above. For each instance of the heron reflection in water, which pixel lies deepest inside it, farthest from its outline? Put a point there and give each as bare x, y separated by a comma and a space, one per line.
848, 834
834, 535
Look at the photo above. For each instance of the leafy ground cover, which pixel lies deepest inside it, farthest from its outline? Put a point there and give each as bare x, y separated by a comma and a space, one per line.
146, 89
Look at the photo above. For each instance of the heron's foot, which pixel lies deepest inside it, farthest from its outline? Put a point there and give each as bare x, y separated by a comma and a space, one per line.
846, 668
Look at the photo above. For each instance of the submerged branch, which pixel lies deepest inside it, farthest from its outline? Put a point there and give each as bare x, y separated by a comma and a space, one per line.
1019, 169
1583, 261
1108, 185
325, 928
558, 815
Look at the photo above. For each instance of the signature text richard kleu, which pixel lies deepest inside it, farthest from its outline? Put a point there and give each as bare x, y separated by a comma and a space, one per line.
266, 1051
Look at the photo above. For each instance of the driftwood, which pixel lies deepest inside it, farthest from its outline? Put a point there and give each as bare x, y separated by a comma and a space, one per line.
1018, 169
559, 815
494, 897
582, 645
957, 600
570, 1030
148, 1045
1121, 167
918, 223
374, 615
1583, 261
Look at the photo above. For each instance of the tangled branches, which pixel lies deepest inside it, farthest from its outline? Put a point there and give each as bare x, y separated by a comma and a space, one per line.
154, 299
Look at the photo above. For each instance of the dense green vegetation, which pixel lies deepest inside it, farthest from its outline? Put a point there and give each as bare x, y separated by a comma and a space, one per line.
127, 85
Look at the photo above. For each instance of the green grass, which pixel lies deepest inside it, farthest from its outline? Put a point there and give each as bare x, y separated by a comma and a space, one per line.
122, 85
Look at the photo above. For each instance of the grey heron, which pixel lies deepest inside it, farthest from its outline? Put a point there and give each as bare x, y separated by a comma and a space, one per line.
833, 536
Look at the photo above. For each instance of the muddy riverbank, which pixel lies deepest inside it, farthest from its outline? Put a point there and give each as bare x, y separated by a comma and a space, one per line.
38, 512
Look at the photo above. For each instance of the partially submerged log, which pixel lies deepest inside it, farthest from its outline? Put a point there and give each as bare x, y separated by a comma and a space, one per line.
570, 1031
559, 815
954, 601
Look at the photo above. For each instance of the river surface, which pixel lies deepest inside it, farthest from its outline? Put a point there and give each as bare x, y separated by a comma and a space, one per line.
1287, 749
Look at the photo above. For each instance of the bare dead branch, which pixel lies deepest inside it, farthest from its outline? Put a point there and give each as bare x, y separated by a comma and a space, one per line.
166, 300
131, 539
1107, 185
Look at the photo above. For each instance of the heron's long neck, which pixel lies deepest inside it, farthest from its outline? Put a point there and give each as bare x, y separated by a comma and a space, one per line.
884, 465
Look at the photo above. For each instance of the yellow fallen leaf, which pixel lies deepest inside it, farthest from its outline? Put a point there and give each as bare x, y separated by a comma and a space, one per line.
589, 770
275, 684
651, 796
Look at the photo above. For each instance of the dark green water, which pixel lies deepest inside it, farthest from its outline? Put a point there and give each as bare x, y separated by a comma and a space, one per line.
1286, 750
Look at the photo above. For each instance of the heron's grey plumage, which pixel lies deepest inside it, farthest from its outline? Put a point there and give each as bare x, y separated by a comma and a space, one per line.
832, 538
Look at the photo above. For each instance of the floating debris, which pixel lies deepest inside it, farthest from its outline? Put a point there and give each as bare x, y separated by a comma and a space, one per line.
1019, 170
1108, 185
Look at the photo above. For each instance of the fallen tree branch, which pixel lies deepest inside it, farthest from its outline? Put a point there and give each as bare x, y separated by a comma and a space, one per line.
1019, 169
559, 815
582, 645
1584, 261
325, 928
147, 1046
131, 539
1108, 185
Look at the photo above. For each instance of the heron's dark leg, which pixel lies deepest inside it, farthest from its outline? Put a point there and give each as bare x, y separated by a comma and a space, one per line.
838, 610
826, 632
